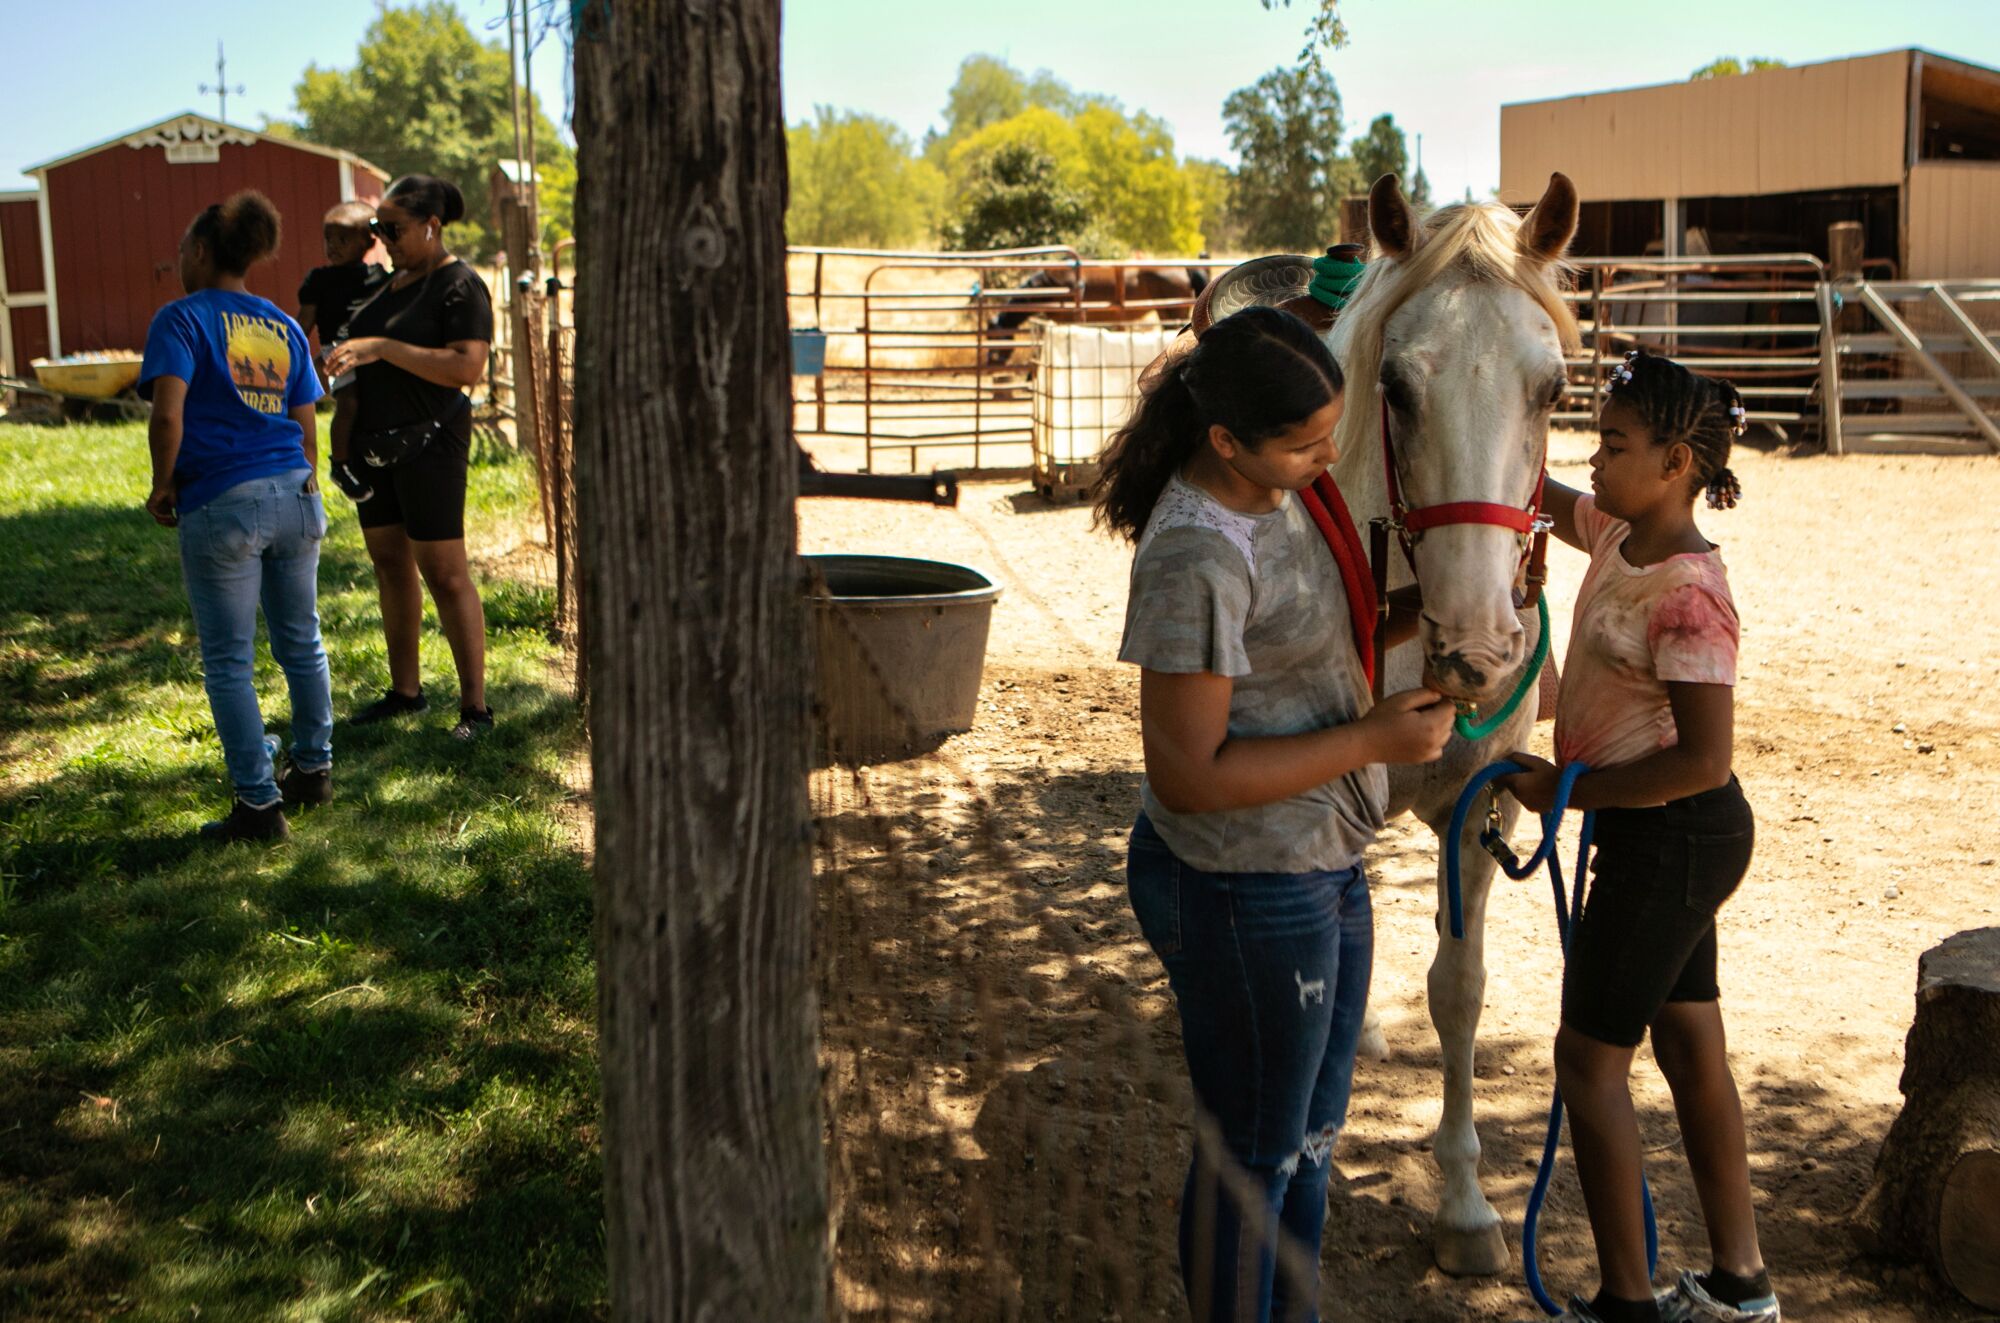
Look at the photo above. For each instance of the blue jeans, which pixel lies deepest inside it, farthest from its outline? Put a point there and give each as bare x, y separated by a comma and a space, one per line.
259, 541
1270, 973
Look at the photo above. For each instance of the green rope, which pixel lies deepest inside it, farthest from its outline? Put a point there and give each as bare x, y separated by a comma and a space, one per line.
1334, 280
1481, 730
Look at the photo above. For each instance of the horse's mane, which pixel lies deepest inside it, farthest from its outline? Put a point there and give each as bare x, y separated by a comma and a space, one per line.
1481, 238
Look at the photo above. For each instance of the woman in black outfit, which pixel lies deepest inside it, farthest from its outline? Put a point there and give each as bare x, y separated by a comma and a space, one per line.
414, 349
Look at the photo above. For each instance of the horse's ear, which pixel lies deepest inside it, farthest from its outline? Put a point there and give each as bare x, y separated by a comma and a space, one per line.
1390, 219
1552, 224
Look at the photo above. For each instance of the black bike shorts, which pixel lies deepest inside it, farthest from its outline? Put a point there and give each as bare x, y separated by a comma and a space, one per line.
426, 493
1647, 934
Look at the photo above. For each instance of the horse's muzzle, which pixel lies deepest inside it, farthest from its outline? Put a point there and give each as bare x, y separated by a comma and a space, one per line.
1470, 666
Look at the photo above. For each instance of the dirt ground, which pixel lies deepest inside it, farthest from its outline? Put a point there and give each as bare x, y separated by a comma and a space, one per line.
1012, 1120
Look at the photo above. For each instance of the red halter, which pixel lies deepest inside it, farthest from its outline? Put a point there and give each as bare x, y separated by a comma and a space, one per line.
1323, 502
1410, 523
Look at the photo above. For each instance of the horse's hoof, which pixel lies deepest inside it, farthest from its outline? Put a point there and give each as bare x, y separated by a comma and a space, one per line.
1477, 1252
1374, 1044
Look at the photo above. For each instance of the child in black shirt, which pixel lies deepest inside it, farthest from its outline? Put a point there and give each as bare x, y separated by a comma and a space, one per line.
332, 292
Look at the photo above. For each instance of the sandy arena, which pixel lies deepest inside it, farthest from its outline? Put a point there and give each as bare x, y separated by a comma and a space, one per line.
1866, 739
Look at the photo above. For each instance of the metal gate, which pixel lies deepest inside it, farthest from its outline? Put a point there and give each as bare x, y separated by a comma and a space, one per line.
928, 356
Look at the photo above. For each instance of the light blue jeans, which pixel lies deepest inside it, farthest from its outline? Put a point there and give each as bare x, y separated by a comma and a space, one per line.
259, 542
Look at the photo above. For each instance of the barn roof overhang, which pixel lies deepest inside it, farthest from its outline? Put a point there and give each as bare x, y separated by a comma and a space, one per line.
1834, 124
208, 128
1951, 61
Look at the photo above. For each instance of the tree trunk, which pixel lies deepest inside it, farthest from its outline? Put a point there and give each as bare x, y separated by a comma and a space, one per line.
715, 1185
1936, 1194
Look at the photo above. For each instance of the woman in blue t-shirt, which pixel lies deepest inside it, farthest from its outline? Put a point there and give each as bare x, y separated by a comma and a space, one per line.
234, 448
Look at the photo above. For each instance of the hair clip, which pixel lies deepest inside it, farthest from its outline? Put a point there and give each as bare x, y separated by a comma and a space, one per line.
1740, 421
1620, 374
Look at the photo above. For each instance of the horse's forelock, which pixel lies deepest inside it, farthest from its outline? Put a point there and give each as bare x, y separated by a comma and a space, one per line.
1481, 238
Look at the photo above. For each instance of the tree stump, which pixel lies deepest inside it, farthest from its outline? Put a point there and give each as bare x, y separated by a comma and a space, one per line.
1936, 1192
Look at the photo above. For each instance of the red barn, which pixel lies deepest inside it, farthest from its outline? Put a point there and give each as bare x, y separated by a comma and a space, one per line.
86, 259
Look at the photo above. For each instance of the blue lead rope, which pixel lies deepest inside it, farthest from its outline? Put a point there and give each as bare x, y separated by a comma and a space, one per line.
1569, 907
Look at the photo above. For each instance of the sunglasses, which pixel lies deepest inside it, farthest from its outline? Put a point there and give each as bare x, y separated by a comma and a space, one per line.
390, 230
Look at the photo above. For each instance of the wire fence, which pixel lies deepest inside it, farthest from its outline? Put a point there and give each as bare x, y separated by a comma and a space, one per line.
981, 1165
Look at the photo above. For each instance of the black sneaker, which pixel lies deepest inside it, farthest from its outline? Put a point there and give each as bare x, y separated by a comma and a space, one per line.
305, 790
390, 704
472, 723
249, 824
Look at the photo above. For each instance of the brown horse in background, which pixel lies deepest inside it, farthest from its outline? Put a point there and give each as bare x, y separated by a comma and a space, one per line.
1051, 293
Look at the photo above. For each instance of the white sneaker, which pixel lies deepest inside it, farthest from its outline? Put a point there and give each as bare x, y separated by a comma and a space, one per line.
1687, 1302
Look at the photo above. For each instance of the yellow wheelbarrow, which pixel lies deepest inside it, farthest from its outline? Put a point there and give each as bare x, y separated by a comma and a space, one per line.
81, 386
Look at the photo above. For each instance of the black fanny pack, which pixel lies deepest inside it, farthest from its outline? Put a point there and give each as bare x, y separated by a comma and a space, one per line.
386, 447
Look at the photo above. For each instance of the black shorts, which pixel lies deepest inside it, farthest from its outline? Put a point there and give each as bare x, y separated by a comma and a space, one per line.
426, 494
1647, 935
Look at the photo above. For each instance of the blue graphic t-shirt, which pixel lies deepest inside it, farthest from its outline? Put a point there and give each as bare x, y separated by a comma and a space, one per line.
246, 366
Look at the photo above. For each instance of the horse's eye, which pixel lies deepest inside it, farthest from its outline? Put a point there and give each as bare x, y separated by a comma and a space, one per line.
1397, 392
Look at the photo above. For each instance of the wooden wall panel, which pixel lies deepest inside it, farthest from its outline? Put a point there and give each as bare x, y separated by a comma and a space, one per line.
21, 237
1839, 124
1954, 220
31, 337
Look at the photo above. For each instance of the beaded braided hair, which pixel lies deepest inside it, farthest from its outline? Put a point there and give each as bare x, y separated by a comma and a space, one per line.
1705, 414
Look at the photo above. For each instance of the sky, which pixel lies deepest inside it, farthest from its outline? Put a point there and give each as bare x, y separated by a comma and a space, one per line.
1443, 68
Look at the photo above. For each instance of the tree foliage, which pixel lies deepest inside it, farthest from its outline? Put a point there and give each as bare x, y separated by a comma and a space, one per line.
989, 90
1324, 31
1122, 166
855, 183
1728, 66
1014, 197
1382, 150
426, 96
1385, 150
1286, 130
1214, 187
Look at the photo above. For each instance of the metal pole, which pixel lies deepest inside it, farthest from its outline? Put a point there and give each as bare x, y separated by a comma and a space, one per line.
528, 114
1596, 343
1829, 373
513, 82
819, 321
868, 383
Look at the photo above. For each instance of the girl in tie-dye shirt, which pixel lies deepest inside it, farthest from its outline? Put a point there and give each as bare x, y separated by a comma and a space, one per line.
1648, 703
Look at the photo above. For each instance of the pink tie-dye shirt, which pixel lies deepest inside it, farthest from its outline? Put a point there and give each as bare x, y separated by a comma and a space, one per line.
1637, 627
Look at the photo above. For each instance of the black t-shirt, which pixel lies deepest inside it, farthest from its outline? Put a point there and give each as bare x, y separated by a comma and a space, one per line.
442, 308
334, 292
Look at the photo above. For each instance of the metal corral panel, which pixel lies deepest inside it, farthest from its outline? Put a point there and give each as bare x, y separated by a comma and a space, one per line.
1841, 124
1954, 220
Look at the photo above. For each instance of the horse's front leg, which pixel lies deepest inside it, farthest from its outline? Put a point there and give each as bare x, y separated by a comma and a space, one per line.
1467, 1237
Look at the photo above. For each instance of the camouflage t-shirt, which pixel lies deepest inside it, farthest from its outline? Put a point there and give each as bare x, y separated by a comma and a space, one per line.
1257, 598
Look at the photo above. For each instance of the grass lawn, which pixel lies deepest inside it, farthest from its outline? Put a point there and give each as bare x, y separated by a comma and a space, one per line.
349, 1077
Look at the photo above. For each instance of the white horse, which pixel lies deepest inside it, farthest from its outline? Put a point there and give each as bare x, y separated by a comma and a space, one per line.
1460, 325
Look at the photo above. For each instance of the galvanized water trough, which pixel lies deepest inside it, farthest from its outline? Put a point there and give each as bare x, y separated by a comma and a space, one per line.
901, 646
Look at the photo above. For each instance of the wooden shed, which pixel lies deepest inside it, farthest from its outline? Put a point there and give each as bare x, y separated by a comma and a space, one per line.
87, 257
1906, 142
